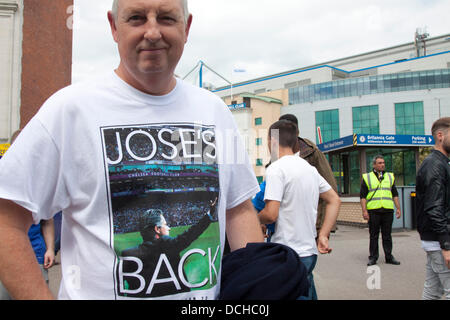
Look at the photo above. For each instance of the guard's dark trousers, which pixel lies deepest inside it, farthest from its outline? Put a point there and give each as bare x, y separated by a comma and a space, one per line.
384, 222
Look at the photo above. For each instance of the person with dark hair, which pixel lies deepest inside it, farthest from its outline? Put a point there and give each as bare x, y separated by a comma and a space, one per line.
159, 248
433, 212
308, 150
292, 194
377, 197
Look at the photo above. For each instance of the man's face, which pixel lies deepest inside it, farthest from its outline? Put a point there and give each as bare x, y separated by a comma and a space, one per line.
150, 34
379, 165
446, 141
164, 229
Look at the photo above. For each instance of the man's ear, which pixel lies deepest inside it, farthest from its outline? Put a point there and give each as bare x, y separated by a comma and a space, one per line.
188, 27
112, 24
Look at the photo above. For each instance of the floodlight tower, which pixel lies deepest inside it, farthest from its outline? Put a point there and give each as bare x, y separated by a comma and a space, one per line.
421, 36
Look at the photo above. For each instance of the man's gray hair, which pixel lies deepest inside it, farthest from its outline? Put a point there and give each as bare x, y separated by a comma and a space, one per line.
115, 9
378, 156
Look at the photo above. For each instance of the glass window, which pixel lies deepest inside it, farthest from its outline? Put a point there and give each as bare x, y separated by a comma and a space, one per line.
354, 174
328, 121
366, 120
416, 81
341, 90
445, 78
408, 81
258, 121
394, 83
438, 79
373, 85
370, 85
409, 118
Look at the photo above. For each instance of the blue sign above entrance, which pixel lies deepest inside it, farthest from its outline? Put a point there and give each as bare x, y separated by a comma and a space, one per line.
377, 140
237, 106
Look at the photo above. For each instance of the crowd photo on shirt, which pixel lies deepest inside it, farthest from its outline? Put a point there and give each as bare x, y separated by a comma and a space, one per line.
120, 181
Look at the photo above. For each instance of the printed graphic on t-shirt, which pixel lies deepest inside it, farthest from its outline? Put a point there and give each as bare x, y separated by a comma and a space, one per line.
163, 192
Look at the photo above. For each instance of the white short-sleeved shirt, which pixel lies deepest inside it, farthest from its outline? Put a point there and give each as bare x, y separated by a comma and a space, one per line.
104, 153
296, 185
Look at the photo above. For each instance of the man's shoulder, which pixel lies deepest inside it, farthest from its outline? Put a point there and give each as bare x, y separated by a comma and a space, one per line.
434, 165
290, 163
308, 142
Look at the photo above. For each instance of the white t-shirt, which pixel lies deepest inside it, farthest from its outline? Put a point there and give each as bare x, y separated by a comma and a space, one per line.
431, 246
104, 153
296, 185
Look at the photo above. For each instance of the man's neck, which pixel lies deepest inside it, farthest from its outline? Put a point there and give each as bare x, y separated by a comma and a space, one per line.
441, 149
285, 151
153, 85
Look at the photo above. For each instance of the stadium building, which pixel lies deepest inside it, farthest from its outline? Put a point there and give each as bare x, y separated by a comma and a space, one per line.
380, 102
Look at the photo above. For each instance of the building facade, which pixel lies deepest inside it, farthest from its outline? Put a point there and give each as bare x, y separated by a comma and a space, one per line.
35, 57
254, 114
394, 93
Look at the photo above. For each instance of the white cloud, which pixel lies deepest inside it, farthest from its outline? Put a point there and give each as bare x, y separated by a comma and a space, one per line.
266, 36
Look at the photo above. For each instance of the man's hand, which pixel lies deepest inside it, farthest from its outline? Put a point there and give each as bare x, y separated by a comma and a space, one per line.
212, 209
366, 215
264, 230
446, 254
398, 213
49, 259
322, 245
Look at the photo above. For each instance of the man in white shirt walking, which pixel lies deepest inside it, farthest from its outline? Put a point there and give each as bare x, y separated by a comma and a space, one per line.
292, 193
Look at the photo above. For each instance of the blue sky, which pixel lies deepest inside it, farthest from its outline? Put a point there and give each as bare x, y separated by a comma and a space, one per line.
265, 36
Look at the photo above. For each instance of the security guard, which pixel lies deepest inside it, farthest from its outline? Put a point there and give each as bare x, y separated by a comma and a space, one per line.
377, 196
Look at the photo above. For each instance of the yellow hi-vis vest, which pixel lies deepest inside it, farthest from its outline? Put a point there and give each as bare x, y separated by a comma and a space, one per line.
380, 194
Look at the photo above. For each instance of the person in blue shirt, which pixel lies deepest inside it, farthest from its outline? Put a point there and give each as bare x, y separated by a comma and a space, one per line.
42, 238
259, 204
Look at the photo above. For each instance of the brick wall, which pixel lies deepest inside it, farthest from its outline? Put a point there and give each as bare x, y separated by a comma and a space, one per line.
46, 53
350, 214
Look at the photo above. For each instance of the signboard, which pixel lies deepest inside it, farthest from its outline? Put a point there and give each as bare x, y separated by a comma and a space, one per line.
397, 140
3, 148
336, 144
237, 106
377, 140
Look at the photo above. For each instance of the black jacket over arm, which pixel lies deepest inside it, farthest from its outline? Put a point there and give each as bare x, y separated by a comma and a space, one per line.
433, 196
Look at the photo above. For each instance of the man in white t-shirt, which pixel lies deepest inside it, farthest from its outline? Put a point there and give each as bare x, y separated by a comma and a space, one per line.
106, 151
292, 193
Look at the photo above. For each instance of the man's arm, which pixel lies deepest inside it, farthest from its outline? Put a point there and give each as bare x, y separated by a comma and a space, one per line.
270, 212
363, 203
394, 192
243, 226
363, 195
398, 212
19, 269
48, 233
331, 213
434, 207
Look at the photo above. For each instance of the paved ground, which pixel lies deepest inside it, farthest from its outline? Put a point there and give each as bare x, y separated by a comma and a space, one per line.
342, 275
